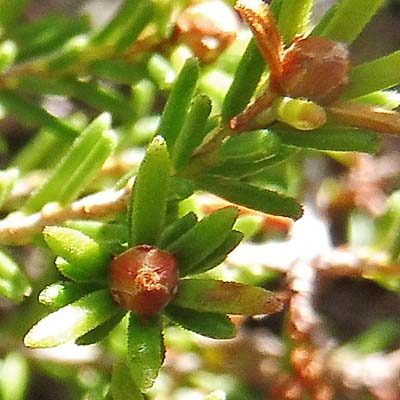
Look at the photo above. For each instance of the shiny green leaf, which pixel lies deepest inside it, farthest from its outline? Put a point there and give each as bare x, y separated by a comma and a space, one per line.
349, 19
102, 331
250, 146
250, 196
61, 293
177, 229
117, 71
218, 255
389, 99
84, 258
14, 377
150, 195
63, 173
245, 81
175, 111
145, 349
377, 338
138, 20
31, 114
235, 169
208, 295
200, 241
111, 235
8, 51
294, 17
213, 325
14, 284
192, 133
161, 71
125, 25
122, 385
72, 321
381, 73
88, 169
48, 35
335, 138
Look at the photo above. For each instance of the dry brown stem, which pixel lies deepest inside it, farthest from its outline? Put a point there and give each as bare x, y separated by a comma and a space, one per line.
19, 229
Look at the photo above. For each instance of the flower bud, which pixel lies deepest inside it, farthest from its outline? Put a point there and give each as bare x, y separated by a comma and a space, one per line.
144, 279
315, 68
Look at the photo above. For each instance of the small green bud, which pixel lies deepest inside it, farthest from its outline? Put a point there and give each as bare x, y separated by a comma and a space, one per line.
301, 114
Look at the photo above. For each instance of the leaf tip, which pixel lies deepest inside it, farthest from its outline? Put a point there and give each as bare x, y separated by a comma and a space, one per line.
105, 119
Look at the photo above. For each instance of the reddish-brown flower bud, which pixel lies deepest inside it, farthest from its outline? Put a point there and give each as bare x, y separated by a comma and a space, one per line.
315, 68
144, 279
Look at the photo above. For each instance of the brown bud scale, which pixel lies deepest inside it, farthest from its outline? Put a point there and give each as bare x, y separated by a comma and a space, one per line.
144, 279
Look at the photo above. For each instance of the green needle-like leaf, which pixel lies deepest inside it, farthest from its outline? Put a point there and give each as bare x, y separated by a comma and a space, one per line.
38, 151
161, 71
275, 7
14, 377
235, 169
61, 293
387, 229
32, 114
8, 51
245, 81
294, 17
389, 99
69, 54
192, 133
382, 73
213, 325
88, 169
117, 71
82, 146
72, 321
150, 195
250, 146
98, 96
180, 189
122, 385
330, 138
95, 94
206, 236
176, 109
377, 338
145, 349
324, 21
126, 21
349, 19
85, 259
13, 283
208, 295
218, 255
177, 229
143, 96
102, 331
109, 234
250, 196
49, 35
138, 21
